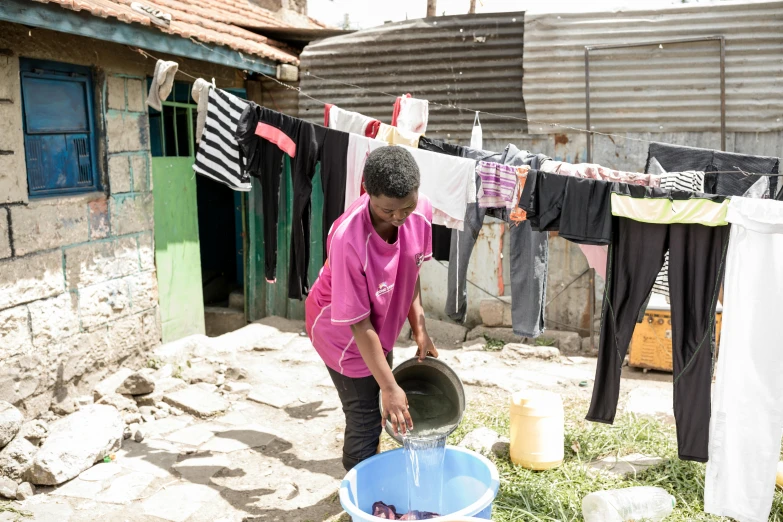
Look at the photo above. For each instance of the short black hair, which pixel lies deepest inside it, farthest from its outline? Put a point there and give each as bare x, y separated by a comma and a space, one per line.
391, 172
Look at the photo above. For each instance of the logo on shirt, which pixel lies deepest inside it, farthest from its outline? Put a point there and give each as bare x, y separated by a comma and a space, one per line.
419, 260
383, 288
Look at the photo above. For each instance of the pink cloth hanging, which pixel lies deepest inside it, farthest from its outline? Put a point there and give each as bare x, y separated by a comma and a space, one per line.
596, 257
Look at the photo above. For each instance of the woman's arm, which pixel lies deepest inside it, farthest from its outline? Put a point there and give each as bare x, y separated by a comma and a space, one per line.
418, 329
395, 403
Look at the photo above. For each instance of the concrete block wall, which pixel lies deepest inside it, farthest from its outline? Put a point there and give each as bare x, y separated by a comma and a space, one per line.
78, 289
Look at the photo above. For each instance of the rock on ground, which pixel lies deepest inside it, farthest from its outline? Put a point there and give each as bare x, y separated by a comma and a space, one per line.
524, 351
288, 492
569, 343
122, 403
16, 459
83, 400
237, 387
8, 488
200, 372
65, 406
623, 466
651, 403
162, 386
35, 431
131, 418
179, 351
25, 491
235, 373
506, 335
496, 311
10, 421
139, 383
446, 335
589, 351
480, 440
110, 384
76, 442
197, 401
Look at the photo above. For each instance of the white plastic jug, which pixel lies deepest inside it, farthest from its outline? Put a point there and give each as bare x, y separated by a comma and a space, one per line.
621, 505
476, 135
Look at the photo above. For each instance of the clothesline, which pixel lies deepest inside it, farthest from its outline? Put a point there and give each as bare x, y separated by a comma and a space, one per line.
447, 106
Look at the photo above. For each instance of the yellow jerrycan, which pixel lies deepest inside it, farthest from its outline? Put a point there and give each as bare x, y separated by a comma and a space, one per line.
537, 429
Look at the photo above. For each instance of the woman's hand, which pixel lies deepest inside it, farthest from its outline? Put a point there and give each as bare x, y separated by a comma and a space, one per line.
425, 344
395, 408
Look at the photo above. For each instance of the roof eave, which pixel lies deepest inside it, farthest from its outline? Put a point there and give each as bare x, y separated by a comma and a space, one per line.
55, 18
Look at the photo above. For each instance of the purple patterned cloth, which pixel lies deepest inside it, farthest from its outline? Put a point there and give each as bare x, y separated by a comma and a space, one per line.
381, 510
498, 184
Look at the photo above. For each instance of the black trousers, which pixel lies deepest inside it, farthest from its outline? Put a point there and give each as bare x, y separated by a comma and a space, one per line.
362, 416
696, 262
329, 147
334, 173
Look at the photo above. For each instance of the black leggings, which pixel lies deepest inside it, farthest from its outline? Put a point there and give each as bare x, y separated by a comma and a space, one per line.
362, 416
696, 263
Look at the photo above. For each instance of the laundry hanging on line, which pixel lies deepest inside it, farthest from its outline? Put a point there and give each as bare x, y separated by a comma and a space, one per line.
218, 155
528, 249
410, 114
645, 222
348, 121
675, 158
744, 432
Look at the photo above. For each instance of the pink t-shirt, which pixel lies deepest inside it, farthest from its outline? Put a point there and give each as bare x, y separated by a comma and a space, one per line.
365, 276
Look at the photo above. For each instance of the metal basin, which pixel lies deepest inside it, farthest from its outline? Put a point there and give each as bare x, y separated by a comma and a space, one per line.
436, 397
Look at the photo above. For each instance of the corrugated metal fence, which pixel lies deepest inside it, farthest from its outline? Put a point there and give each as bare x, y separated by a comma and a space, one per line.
471, 61
672, 88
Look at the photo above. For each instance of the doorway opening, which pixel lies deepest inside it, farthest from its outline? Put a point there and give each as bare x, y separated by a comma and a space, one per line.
216, 212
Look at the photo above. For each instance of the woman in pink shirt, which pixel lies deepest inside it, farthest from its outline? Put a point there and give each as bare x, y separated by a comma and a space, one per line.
368, 286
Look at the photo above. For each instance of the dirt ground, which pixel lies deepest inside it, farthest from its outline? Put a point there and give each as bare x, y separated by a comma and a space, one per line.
275, 454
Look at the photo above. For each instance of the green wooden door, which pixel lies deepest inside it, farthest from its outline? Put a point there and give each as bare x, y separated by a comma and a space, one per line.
263, 298
177, 250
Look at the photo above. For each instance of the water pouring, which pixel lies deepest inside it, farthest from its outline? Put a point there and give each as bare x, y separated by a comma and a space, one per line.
436, 398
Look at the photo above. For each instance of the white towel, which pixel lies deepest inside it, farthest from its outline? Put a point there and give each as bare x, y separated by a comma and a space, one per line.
200, 93
162, 82
348, 121
413, 115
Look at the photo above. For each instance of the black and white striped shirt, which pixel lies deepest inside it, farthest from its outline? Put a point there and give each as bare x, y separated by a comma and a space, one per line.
689, 181
218, 152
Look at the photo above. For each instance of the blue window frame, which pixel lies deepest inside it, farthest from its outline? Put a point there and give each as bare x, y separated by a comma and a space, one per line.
59, 128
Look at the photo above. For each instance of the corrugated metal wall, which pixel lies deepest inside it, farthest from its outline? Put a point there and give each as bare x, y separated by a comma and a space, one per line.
471, 61
670, 89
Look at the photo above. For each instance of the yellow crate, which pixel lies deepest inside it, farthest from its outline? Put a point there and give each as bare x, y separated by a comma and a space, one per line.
651, 345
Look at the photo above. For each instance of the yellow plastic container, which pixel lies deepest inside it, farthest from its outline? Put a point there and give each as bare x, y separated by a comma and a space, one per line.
651, 345
779, 478
537, 429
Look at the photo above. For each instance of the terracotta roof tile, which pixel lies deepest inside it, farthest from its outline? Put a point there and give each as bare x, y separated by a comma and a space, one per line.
219, 22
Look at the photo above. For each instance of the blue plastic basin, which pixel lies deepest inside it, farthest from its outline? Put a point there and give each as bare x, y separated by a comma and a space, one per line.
470, 484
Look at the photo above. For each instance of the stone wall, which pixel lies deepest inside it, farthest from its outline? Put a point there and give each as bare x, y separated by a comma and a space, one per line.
78, 289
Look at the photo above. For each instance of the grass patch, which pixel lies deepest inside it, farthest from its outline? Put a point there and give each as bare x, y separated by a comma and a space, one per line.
556, 495
544, 341
493, 345
8, 507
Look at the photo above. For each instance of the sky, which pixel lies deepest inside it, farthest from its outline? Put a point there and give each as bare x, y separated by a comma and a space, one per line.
369, 13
